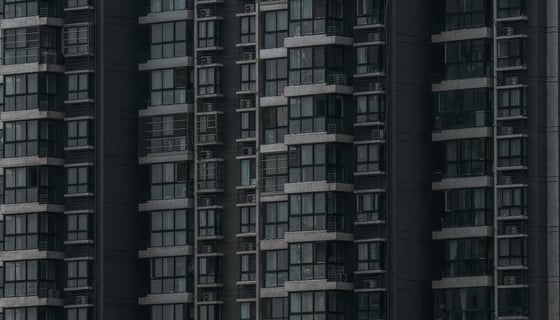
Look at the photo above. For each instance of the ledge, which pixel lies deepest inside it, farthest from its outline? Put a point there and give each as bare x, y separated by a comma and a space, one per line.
169, 298
462, 34
466, 232
317, 285
463, 282
166, 204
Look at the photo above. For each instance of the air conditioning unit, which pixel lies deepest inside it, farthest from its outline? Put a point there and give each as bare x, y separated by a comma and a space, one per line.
375, 86
206, 59
246, 103
208, 296
207, 248
507, 130
508, 31
207, 12
208, 106
507, 179
370, 284
249, 8
81, 299
377, 134
512, 230
207, 154
374, 36
251, 198
206, 202
247, 151
513, 81
510, 280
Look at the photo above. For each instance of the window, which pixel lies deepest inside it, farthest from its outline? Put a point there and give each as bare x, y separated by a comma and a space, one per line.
370, 207
317, 211
370, 306
20, 8
76, 3
168, 40
275, 220
247, 217
248, 267
248, 29
248, 311
209, 34
316, 114
370, 59
210, 175
171, 228
79, 86
315, 64
463, 14
209, 223
169, 86
78, 314
468, 257
370, 157
469, 157
317, 305
511, 8
25, 278
248, 77
512, 152
370, 11
209, 270
79, 133
371, 256
248, 172
77, 226
512, 202
319, 162
210, 312
31, 138
79, 180
467, 59
275, 309
275, 268
76, 40
31, 184
77, 274
31, 313
171, 312
463, 108
167, 134
274, 172
208, 81
30, 231
370, 108
309, 17
513, 302
30, 91
275, 124
308, 261
275, 76
248, 123
512, 53
170, 5
275, 29
464, 303
512, 102
512, 252
22, 45
468, 208
169, 274
169, 181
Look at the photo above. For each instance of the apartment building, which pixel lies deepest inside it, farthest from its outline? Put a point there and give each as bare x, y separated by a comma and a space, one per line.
275, 160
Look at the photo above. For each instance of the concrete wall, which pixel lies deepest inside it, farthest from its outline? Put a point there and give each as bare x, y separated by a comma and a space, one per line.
116, 159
